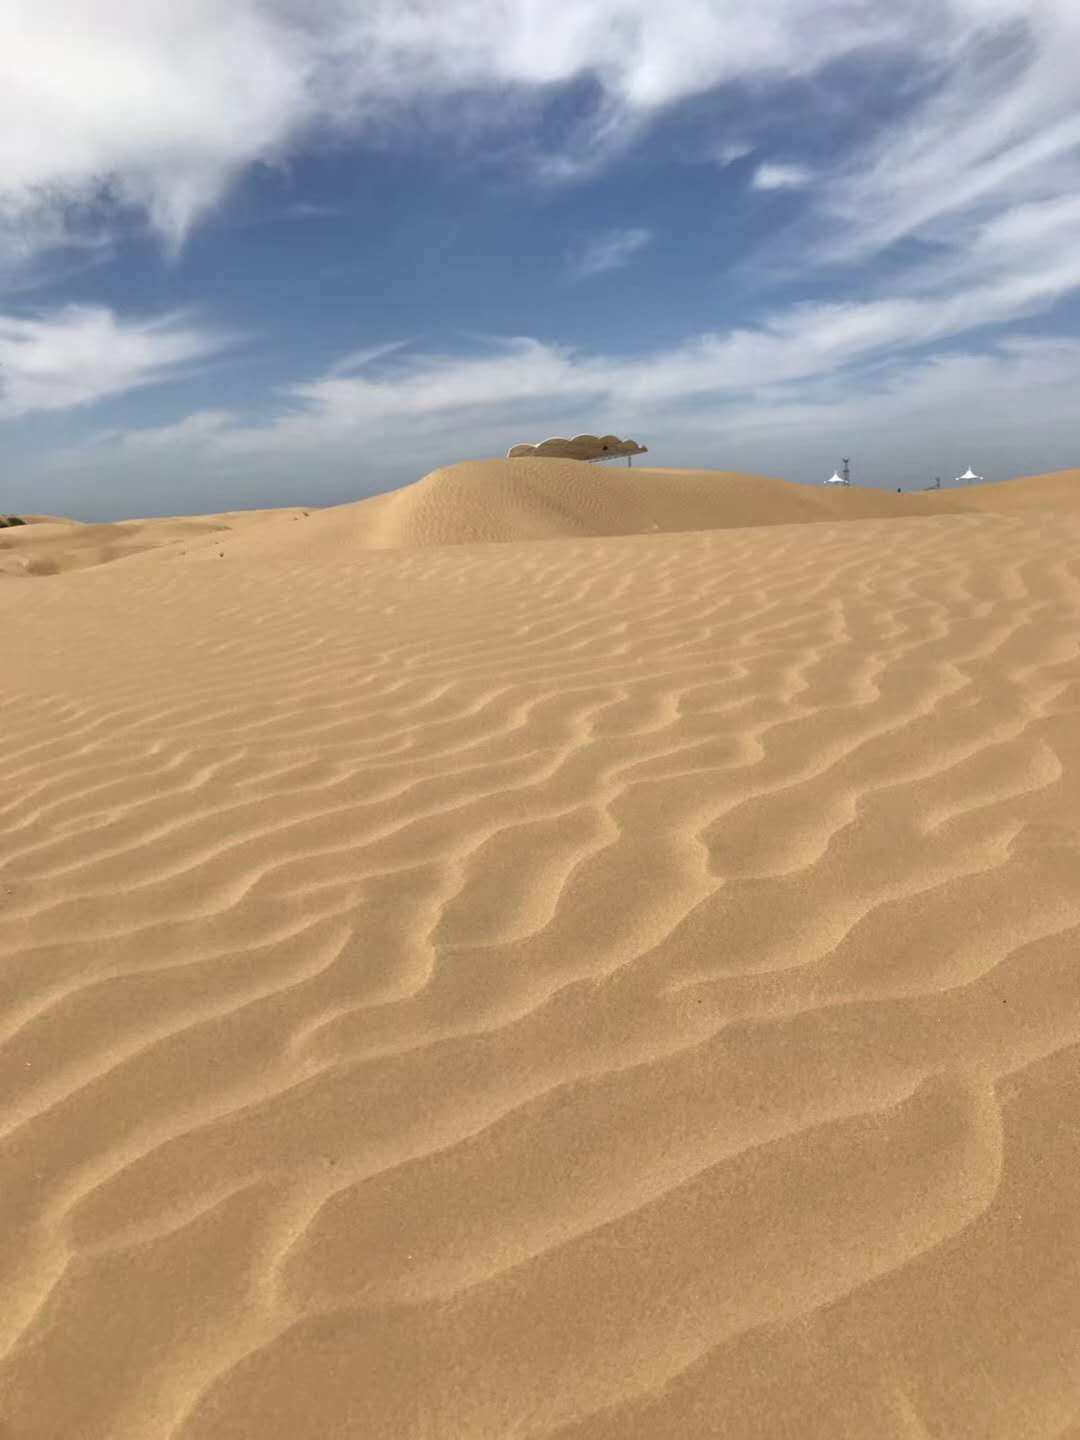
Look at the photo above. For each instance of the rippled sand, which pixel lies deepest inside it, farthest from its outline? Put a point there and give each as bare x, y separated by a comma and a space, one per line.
614, 986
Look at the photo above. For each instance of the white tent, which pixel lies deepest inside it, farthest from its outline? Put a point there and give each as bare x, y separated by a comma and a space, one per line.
969, 475
835, 479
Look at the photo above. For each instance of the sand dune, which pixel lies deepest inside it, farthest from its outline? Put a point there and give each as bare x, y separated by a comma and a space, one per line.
615, 988
545, 499
52, 544
1060, 490
523, 499
531, 499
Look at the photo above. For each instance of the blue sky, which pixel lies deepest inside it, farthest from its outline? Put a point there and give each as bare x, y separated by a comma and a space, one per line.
301, 251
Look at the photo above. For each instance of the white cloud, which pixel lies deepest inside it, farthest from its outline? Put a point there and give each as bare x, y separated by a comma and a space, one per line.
770, 368
306, 210
159, 106
610, 250
83, 353
781, 177
156, 105
1000, 127
163, 439
1015, 265
643, 55
730, 151
360, 359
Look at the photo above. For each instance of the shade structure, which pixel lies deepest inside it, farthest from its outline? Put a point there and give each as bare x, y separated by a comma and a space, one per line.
835, 479
579, 447
969, 474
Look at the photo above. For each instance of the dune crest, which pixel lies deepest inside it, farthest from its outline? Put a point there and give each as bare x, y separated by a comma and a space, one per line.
526, 498
538, 499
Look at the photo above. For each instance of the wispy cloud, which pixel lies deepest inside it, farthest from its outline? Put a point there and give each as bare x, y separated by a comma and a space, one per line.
781, 177
1014, 265
355, 360
610, 250
997, 129
160, 107
732, 150
82, 354
776, 365
307, 210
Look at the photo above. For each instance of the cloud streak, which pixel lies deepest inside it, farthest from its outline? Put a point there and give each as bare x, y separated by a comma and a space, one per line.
158, 108
610, 250
1016, 266
776, 176
82, 354
998, 128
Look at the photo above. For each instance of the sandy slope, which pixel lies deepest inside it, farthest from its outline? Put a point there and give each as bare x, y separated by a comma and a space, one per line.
616, 988
1060, 490
527, 499
52, 544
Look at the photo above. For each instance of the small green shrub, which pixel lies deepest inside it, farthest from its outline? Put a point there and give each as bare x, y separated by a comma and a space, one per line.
12, 520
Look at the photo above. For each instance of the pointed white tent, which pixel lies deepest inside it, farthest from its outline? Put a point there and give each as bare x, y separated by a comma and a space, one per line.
835, 479
969, 475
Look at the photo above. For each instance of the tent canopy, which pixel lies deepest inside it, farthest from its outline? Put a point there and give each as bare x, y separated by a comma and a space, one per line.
579, 447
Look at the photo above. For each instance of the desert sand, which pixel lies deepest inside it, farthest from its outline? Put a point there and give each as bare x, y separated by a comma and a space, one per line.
548, 952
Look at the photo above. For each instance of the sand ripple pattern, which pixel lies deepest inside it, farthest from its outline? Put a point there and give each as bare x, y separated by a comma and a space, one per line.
607, 988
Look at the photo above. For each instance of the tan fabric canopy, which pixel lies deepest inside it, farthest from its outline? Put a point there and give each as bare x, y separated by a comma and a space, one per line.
580, 447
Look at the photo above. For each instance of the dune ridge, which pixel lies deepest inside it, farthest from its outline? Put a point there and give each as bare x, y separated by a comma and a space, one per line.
622, 986
542, 499
500, 500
